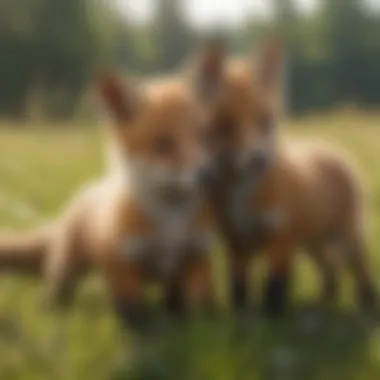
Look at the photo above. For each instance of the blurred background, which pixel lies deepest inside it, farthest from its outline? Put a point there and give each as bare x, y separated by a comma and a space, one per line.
49, 50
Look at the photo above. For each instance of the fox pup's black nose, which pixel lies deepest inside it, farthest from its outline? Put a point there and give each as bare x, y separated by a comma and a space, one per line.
258, 161
207, 175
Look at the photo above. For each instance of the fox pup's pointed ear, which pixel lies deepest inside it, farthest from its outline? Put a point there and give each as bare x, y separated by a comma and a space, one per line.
118, 96
208, 70
271, 63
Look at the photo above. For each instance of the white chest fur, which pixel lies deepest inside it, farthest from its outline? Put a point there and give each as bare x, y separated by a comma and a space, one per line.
173, 239
173, 234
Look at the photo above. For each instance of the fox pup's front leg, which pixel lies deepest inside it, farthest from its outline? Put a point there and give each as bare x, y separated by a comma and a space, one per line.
239, 267
191, 292
279, 254
127, 283
260, 228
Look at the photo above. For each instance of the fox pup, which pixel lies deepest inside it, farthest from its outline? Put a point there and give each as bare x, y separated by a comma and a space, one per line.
276, 195
151, 220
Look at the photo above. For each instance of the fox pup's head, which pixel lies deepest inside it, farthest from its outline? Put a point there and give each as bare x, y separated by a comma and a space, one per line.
243, 116
159, 130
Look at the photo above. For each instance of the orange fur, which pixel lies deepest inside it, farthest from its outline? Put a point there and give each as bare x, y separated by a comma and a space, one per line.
312, 190
156, 195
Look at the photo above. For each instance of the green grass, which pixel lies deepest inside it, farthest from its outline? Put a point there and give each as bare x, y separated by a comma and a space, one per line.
41, 169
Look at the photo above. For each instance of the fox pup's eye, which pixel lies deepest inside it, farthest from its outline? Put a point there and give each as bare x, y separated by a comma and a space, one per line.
164, 144
226, 127
204, 137
266, 122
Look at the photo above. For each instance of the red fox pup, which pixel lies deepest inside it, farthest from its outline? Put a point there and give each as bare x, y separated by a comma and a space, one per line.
279, 196
149, 222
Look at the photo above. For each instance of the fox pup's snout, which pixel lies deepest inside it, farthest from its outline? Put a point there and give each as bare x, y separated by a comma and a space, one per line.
258, 160
160, 137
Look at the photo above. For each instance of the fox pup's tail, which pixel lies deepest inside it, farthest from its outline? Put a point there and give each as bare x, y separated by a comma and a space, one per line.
24, 251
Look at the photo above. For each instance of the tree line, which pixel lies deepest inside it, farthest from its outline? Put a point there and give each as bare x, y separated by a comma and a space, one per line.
51, 48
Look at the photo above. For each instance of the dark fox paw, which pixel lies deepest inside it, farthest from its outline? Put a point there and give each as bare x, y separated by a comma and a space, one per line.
276, 296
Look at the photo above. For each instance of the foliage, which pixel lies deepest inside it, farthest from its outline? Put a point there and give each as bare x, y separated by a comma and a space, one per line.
51, 48
40, 169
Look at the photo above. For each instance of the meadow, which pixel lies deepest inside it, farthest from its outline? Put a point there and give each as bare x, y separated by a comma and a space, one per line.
40, 168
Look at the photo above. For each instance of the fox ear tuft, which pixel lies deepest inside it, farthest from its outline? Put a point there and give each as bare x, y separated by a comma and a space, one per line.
117, 94
208, 70
271, 62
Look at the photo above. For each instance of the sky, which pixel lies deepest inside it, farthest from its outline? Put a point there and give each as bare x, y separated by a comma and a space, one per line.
205, 12
202, 13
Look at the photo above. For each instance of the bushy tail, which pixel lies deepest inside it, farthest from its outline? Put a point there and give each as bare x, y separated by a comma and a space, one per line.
24, 251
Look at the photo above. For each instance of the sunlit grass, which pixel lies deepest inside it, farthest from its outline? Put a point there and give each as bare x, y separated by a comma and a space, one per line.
40, 169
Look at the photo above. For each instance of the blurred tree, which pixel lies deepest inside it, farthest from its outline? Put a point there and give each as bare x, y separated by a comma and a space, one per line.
50, 48
68, 46
344, 27
50, 44
173, 36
